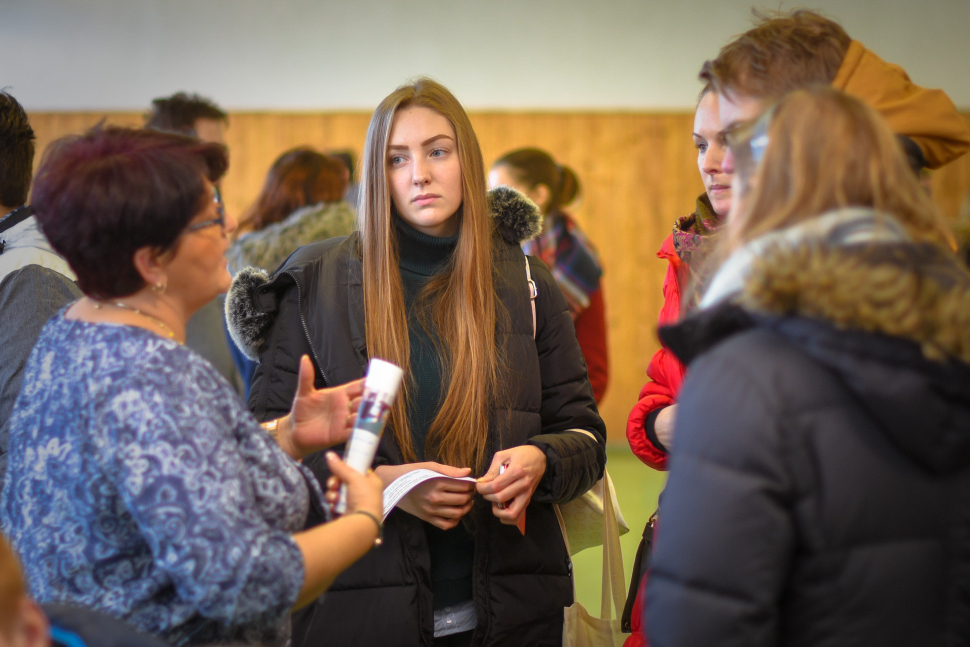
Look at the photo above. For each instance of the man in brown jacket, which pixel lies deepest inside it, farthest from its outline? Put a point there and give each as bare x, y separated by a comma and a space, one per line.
785, 52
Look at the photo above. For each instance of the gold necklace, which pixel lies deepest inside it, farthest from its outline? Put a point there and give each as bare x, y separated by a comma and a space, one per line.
125, 306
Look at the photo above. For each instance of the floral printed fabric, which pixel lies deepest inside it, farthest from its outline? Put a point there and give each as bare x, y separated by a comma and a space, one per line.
139, 485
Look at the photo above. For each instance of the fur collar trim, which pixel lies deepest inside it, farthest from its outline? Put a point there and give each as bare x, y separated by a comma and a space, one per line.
250, 312
913, 291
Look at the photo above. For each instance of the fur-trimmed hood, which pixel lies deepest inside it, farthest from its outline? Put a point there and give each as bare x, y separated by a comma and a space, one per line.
890, 317
250, 310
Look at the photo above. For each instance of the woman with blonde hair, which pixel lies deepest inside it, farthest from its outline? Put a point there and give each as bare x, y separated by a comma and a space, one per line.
819, 488
434, 280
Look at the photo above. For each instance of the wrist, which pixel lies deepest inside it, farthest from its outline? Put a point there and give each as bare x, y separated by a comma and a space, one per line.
284, 436
379, 539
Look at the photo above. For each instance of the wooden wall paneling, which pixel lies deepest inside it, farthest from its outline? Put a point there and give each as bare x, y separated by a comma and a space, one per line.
638, 172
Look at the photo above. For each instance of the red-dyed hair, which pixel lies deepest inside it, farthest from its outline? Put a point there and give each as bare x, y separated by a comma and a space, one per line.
103, 195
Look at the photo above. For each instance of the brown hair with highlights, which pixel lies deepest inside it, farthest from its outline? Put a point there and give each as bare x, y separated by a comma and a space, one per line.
828, 150
299, 177
783, 52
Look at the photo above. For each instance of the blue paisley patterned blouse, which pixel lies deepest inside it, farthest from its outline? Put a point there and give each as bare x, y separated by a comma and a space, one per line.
139, 485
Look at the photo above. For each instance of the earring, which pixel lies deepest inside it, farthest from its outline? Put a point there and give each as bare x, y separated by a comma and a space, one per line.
160, 287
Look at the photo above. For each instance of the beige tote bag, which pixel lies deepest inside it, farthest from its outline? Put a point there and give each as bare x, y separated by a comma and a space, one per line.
583, 517
580, 627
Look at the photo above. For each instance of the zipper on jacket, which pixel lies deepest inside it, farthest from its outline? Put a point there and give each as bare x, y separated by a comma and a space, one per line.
488, 604
306, 331
417, 578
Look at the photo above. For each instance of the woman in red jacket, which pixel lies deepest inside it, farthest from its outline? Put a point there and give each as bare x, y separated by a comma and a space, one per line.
650, 426
563, 247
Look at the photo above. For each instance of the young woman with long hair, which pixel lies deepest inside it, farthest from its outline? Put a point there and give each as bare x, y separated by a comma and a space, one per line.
829, 393
564, 248
434, 280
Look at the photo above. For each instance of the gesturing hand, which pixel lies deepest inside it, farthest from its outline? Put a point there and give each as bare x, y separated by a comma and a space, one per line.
320, 418
364, 491
514, 488
440, 502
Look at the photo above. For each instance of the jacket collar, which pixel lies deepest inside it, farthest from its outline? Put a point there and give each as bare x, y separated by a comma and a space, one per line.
842, 227
890, 318
251, 302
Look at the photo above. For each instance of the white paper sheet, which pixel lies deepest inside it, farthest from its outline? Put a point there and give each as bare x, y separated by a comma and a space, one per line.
397, 490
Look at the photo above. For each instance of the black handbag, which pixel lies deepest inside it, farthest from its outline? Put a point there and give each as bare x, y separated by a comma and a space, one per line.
640, 567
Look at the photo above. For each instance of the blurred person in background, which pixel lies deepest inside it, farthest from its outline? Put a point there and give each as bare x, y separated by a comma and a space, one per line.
352, 194
302, 201
564, 249
35, 282
189, 114
24, 623
687, 250
819, 487
196, 116
787, 51
138, 484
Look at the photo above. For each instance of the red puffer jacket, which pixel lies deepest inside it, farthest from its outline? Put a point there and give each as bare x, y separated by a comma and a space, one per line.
666, 373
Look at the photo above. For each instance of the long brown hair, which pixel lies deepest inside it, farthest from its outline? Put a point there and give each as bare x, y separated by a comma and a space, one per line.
299, 177
460, 303
828, 150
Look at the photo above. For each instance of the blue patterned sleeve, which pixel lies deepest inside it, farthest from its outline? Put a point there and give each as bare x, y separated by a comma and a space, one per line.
213, 497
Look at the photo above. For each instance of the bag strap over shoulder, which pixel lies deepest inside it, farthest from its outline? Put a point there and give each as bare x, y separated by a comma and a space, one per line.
613, 578
533, 293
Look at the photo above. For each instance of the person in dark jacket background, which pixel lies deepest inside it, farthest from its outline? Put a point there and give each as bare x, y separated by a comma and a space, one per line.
819, 488
432, 283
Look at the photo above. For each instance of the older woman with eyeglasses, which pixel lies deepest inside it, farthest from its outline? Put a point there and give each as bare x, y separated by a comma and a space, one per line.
138, 484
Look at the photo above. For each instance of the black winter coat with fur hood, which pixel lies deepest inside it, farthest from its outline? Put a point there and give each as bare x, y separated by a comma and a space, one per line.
819, 489
313, 304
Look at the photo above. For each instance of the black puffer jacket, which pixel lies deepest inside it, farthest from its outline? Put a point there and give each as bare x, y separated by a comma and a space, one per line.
313, 304
819, 489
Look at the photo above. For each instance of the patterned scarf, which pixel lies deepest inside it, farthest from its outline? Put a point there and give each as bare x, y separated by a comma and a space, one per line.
694, 237
571, 257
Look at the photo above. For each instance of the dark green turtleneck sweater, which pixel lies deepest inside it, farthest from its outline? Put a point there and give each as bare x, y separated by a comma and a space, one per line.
452, 551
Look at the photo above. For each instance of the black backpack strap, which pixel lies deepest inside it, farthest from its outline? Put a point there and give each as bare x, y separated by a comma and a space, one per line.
13, 219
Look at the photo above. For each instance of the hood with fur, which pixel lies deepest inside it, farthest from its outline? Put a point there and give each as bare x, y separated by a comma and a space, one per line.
928, 117
250, 310
892, 321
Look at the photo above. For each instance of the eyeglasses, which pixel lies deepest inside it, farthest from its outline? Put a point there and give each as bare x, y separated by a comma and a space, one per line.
749, 140
221, 220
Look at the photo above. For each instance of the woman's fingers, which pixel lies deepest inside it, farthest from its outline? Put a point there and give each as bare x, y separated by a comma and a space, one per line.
444, 499
513, 509
513, 474
305, 377
447, 470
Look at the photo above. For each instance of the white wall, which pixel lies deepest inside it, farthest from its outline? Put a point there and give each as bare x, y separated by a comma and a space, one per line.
343, 54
